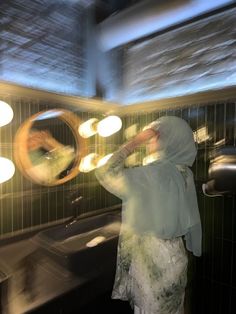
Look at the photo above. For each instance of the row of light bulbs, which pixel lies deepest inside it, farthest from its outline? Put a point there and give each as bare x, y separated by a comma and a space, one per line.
104, 128
93, 161
7, 167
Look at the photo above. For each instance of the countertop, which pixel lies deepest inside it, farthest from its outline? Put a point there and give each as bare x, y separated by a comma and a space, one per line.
47, 279
34, 279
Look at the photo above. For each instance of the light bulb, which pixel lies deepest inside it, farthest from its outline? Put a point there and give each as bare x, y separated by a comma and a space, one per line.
133, 160
131, 131
150, 158
88, 128
201, 135
103, 160
7, 169
6, 113
109, 126
88, 163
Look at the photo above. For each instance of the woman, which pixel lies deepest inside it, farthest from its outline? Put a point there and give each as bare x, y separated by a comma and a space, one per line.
159, 207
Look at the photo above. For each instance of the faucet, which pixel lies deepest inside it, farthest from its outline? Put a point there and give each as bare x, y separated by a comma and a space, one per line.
74, 203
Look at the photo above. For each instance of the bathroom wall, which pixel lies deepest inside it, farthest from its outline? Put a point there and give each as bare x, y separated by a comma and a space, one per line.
212, 278
24, 204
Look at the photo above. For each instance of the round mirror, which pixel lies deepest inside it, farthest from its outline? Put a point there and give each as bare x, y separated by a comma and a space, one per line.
48, 147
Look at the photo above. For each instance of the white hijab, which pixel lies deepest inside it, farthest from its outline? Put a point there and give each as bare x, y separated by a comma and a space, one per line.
178, 149
160, 197
175, 142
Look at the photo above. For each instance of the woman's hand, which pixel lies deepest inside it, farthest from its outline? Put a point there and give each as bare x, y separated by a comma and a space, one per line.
145, 136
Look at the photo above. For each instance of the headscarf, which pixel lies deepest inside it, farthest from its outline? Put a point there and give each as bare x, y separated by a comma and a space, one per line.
160, 198
177, 148
175, 142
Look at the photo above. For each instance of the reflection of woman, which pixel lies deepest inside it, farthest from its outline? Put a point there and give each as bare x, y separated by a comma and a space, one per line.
159, 207
48, 156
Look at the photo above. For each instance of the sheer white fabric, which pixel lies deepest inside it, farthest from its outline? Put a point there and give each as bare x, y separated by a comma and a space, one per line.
159, 207
159, 197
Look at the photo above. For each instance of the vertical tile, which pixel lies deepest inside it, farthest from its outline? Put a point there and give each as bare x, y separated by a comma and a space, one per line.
220, 122
233, 268
211, 123
233, 218
225, 300
228, 217
233, 301
230, 123
226, 262
218, 217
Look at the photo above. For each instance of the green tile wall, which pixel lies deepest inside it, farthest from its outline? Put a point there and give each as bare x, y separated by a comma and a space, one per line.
24, 204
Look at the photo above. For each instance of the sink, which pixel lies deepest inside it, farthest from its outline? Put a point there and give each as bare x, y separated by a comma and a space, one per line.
86, 246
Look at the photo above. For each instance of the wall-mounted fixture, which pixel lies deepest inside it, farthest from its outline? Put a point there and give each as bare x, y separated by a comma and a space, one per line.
150, 158
6, 113
109, 126
88, 162
88, 128
41, 156
104, 128
201, 135
7, 169
102, 161
131, 131
92, 161
222, 173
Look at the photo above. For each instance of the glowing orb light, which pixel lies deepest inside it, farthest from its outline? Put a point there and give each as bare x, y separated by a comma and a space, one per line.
6, 113
103, 160
109, 126
88, 128
7, 169
88, 163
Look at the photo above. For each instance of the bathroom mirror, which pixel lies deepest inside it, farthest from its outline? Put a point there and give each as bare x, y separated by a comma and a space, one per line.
48, 147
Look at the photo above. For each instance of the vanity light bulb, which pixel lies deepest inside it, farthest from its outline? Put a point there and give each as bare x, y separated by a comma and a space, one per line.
103, 160
88, 128
109, 126
150, 158
7, 169
6, 113
88, 163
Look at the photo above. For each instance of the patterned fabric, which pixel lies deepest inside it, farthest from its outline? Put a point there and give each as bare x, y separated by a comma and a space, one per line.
151, 273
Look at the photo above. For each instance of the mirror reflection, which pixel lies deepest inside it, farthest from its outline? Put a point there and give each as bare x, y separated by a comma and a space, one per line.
48, 148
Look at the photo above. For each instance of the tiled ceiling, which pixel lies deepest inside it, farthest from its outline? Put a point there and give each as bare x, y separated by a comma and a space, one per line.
43, 43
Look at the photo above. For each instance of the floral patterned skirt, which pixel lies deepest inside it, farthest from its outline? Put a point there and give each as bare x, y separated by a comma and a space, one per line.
151, 273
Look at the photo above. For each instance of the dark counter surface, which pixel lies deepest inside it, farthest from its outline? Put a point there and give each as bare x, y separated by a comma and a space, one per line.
46, 279
34, 280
